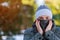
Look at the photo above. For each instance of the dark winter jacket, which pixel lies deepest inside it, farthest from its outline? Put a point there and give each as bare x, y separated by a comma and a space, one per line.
32, 34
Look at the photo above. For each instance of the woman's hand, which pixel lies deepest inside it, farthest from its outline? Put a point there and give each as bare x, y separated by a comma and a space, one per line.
39, 27
49, 26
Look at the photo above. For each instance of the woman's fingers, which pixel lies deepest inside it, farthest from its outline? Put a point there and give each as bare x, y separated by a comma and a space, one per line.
37, 23
39, 27
49, 26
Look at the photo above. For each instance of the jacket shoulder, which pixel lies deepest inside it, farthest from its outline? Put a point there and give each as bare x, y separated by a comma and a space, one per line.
57, 29
28, 31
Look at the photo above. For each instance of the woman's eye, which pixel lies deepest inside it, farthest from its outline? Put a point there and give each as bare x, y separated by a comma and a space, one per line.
47, 18
41, 18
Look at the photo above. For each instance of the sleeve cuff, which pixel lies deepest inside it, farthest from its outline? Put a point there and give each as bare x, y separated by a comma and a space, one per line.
49, 35
38, 36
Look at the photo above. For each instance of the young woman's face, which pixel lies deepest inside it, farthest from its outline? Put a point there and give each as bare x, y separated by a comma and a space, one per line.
44, 21
44, 17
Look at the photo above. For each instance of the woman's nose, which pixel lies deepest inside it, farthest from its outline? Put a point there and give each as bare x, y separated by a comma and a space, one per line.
44, 18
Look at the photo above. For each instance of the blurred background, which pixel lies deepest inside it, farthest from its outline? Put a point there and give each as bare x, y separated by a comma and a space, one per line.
18, 15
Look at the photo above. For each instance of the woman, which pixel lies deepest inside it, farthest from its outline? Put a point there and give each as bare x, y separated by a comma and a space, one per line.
43, 28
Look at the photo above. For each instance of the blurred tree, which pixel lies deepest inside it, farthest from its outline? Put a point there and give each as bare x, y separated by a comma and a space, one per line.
55, 7
27, 15
9, 10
